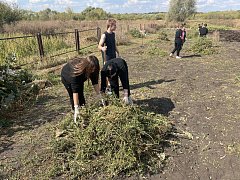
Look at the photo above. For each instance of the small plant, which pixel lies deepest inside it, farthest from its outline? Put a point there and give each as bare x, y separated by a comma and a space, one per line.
162, 35
136, 33
203, 46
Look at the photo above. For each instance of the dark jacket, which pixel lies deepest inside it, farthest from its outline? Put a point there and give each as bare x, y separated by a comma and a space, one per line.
178, 35
121, 70
203, 31
76, 82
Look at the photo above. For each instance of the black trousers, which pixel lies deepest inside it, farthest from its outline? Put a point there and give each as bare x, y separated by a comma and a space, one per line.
178, 47
81, 98
114, 82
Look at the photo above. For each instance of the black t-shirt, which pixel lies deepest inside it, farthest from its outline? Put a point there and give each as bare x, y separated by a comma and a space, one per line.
111, 44
203, 31
121, 71
76, 82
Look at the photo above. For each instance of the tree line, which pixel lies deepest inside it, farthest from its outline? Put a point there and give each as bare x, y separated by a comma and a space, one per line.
179, 11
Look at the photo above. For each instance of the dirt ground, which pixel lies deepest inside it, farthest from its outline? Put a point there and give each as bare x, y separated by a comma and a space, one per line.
200, 94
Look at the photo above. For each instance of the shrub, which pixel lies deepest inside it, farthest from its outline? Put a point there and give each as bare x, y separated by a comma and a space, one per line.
203, 46
135, 33
12, 84
111, 141
162, 35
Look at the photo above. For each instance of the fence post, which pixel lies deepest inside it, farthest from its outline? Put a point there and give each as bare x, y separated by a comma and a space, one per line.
40, 44
77, 40
98, 34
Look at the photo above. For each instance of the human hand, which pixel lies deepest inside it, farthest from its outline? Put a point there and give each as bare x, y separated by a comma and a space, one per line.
126, 100
104, 48
76, 113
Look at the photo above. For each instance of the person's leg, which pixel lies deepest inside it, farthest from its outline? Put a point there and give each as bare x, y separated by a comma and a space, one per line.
70, 93
115, 85
124, 78
175, 48
179, 47
81, 98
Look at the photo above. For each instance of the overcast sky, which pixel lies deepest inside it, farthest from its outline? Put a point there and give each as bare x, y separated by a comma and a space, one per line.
121, 6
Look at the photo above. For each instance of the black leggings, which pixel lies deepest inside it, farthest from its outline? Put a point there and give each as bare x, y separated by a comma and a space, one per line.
178, 47
81, 98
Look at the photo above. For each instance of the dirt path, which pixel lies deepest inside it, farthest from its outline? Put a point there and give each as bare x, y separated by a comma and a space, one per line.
200, 94
202, 97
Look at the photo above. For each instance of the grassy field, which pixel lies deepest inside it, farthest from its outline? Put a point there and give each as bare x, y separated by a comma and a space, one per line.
198, 94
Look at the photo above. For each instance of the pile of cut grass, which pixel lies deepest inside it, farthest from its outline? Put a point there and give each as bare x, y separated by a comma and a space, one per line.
112, 141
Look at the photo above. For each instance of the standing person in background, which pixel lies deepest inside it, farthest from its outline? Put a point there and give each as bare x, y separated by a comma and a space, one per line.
113, 69
107, 43
184, 34
73, 76
199, 28
177, 42
204, 31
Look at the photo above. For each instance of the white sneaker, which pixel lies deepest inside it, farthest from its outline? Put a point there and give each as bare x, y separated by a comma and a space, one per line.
178, 57
171, 54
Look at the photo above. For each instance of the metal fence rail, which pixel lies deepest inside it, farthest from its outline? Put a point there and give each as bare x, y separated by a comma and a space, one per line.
77, 35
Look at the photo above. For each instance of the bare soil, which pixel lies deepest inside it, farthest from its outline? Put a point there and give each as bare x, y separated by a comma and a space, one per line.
200, 94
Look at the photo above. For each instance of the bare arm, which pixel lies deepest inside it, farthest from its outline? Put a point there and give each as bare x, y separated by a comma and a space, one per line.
101, 42
75, 99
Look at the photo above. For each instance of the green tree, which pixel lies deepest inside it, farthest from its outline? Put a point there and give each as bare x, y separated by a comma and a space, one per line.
180, 10
92, 13
8, 14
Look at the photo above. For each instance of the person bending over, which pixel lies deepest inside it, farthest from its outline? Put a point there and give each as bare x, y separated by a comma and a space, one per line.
113, 69
73, 76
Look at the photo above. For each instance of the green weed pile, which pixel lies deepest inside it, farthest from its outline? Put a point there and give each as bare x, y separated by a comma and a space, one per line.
111, 141
203, 45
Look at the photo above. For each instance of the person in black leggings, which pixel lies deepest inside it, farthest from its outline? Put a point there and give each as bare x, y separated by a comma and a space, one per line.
73, 76
177, 42
113, 69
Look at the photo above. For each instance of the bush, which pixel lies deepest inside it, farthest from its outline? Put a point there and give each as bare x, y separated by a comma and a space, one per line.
12, 84
116, 140
135, 33
162, 35
203, 45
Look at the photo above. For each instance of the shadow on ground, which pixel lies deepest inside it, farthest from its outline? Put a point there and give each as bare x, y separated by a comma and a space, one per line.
158, 105
193, 55
150, 83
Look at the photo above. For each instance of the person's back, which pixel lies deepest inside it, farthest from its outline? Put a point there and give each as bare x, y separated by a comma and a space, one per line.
203, 31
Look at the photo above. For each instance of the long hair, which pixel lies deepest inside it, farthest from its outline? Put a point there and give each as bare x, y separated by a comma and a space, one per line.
87, 65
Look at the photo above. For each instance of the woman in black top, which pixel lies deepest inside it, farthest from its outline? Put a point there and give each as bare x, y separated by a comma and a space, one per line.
73, 76
113, 69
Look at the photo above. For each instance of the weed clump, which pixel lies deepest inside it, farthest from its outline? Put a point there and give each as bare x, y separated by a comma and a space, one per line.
112, 141
203, 46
